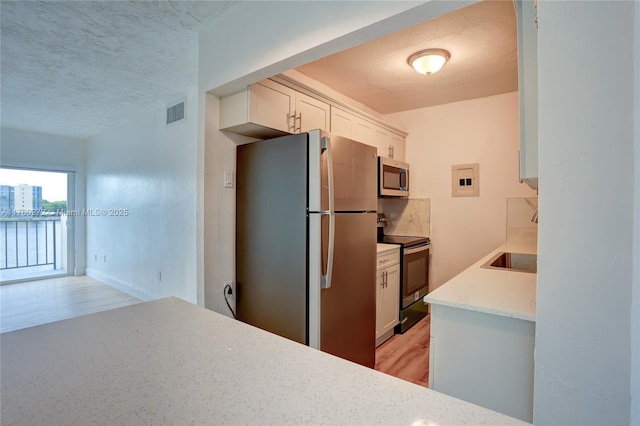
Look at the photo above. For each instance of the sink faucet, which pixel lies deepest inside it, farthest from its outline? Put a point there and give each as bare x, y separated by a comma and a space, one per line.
534, 218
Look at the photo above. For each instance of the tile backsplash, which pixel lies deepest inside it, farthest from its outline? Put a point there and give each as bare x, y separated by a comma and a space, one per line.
520, 229
406, 216
413, 217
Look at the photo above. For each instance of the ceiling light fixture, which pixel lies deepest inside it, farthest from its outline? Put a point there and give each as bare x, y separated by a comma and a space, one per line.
429, 61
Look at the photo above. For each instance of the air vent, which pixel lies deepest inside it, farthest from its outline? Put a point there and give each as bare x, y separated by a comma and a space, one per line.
175, 113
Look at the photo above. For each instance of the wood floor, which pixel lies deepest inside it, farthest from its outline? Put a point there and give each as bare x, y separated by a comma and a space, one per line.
39, 302
406, 356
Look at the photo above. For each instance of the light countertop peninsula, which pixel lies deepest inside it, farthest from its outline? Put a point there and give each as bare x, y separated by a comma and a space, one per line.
498, 292
171, 362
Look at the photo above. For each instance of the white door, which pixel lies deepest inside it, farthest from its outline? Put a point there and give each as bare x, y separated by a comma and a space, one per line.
391, 300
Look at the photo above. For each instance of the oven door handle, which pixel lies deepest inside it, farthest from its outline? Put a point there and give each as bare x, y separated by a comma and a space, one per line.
417, 249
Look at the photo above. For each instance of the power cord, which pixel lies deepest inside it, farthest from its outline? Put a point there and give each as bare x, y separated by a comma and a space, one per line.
228, 291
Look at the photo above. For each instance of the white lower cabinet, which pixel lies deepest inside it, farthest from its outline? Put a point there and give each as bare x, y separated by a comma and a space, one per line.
483, 358
387, 294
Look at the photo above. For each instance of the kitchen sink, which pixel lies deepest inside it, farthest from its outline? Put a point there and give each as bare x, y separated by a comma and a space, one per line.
508, 261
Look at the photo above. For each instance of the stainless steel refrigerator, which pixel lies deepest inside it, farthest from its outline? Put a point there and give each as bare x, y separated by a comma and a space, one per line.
306, 241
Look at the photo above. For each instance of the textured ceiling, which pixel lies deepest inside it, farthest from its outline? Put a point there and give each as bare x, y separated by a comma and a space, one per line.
77, 68
481, 39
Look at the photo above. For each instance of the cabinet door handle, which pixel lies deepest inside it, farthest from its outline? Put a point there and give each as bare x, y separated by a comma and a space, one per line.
299, 129
291, 127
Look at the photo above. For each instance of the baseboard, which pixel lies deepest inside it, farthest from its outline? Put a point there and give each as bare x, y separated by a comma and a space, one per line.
380, 340
121, 285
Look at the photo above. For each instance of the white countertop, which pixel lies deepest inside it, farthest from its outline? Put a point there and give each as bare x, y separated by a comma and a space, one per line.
171, 362
381, 247
505, 293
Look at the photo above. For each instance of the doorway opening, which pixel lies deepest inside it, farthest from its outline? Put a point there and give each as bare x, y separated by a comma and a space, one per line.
36, 231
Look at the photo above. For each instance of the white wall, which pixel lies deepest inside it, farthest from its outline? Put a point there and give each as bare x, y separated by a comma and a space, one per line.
219, 205
585, 243
19, 148
484, 131
148, 168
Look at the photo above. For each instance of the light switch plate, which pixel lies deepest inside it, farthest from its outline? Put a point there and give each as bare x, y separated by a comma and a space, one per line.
465, 180
228, 179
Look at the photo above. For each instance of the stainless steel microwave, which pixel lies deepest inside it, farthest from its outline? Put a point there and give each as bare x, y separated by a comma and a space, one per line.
393, 178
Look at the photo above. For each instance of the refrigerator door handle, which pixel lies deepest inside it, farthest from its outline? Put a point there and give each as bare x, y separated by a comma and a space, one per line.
325, 281
325, 143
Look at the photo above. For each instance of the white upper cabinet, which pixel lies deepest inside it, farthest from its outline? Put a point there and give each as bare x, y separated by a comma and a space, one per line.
271, 105
528, 90
342, 123
310, 113
389, 144
381, 140
353, 126
269, 109
397, 144
363, 131
349, 125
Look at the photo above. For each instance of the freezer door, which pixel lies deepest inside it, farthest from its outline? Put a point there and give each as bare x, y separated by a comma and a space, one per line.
354, 171
348, 307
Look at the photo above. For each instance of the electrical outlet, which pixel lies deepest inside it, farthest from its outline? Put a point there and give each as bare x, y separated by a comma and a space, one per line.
159, 275
227, 294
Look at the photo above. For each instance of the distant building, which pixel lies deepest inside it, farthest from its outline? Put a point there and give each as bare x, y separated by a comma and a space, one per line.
37, 197
6, 199
21, 198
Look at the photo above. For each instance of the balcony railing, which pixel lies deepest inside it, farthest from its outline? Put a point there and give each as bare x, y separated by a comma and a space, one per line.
30, 243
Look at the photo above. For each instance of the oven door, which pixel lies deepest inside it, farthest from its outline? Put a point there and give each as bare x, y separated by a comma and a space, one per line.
415, 274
